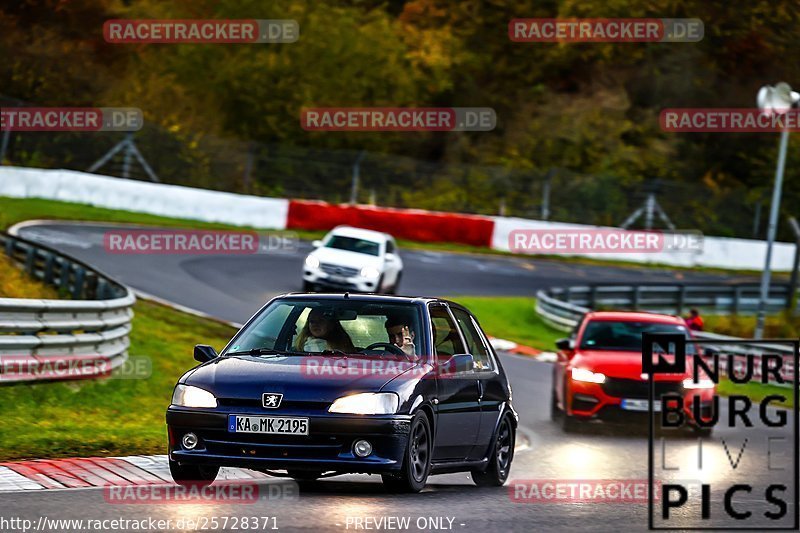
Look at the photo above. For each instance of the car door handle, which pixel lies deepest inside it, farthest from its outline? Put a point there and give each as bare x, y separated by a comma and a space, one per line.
480, 389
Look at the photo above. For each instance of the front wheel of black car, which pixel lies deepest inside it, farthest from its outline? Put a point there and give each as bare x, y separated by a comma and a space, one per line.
416, 460
192, 475
500, 457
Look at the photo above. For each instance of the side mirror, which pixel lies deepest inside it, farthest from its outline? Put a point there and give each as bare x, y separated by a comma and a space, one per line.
460, 362
565, 344
316, 244
204, 353
391, 257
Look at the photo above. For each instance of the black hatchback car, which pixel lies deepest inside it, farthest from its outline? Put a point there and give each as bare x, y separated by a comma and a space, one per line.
316, 385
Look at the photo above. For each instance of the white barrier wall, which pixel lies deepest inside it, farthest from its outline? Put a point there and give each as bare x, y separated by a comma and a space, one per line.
734, 254
272, 213
144, 197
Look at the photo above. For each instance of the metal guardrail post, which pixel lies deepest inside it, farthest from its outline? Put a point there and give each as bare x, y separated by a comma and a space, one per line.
47, 275
30, 260
65, 272
635, 298
77, 288
681, 299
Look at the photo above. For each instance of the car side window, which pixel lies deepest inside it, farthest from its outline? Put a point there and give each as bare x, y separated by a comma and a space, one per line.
389, 247
475, 344
446, 339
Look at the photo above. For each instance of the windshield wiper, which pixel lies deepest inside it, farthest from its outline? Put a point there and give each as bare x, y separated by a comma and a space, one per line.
261, 351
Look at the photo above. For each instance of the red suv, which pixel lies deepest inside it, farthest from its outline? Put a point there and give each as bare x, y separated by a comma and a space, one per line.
598, 374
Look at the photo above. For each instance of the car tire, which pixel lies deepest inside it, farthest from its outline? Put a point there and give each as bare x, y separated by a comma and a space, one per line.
193, 475
568, 422
555, 412
500, 457
379, 285
416, 465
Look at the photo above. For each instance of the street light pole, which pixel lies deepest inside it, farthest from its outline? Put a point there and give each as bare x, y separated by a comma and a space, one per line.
778, 99
771, 230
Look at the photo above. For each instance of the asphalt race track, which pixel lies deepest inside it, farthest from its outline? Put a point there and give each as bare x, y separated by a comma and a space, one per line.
232, 287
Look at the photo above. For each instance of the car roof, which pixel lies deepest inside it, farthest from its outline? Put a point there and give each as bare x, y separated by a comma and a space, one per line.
634, 316
358, 297
360, 233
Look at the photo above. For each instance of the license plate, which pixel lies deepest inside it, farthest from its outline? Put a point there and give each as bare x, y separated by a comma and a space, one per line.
270, 425
337, 279
640, 405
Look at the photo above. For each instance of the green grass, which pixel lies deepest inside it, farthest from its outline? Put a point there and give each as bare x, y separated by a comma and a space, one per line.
15, 283
512, 318
109, 416
756, 391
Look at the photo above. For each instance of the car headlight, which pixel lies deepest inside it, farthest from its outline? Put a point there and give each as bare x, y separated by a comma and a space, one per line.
370, 272
312, 262
367, 403
188, 396
701, 384
581, 374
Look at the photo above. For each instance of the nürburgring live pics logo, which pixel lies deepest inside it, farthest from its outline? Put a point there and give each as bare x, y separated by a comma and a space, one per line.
748, 492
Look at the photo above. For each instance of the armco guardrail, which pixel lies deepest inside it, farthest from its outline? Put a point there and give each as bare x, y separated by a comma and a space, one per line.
62, 339
563, 308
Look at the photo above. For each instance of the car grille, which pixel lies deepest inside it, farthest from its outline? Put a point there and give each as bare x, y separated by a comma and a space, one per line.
286, 405
336, 270
636, 389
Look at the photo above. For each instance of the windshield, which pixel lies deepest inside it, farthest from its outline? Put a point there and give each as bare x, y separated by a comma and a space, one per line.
351, 244
333, 328
624, 336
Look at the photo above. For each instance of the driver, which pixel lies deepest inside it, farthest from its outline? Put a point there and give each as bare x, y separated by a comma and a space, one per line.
401, 335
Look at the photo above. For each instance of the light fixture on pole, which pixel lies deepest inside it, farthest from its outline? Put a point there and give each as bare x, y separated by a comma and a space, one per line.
778, 99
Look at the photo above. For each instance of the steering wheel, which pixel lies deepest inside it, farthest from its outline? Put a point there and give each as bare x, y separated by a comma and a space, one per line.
389, 347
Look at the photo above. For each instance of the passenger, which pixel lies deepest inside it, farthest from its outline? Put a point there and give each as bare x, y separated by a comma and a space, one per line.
694, 321
323, 333
400, 334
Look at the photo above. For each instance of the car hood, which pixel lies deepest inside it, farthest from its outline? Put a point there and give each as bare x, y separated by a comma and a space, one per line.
308, 379
618, 364
346, 258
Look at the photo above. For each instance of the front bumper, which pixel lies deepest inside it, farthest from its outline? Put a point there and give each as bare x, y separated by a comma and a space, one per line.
327, 447
604, 401
352, 283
